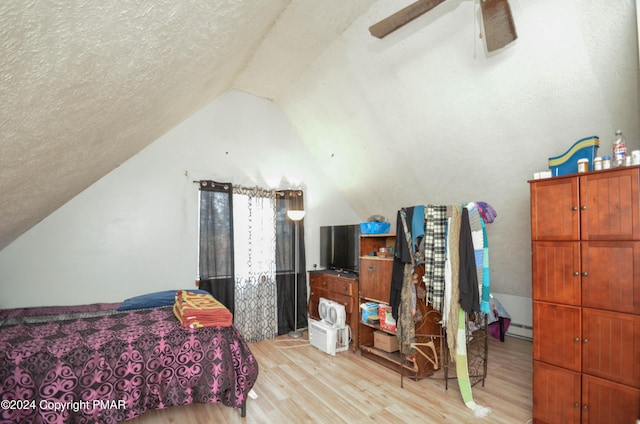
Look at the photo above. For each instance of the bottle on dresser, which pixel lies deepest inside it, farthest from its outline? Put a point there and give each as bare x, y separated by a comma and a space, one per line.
619, 150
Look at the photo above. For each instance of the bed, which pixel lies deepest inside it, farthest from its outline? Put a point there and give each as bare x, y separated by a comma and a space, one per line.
96, 364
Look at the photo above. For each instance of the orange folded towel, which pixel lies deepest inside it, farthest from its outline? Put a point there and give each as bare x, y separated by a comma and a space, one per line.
196, 310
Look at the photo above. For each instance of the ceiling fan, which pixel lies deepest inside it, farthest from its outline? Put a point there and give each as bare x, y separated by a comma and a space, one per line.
499, 29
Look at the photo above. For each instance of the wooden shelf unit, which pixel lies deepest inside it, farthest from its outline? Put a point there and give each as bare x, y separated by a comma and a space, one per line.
375, 286
375, 277
394, 360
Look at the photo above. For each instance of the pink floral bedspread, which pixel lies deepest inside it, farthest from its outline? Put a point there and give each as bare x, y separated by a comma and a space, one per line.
92, 364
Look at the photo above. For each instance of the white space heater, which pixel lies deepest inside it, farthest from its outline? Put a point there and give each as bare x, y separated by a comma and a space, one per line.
330, 334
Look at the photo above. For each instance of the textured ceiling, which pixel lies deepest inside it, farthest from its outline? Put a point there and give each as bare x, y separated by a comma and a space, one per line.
85, 84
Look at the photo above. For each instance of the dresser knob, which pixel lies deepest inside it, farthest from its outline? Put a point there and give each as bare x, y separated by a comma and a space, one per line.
584, 208
576, 273
574, 208
576, 339
584, 274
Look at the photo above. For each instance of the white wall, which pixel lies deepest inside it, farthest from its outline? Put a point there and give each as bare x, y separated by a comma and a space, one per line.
135, 230
425, 115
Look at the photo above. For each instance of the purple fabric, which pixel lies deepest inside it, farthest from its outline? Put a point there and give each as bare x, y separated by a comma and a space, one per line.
487, 211
56, 310
127, 362
494, 328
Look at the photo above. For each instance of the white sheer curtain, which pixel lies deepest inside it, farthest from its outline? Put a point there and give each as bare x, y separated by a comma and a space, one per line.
254, 217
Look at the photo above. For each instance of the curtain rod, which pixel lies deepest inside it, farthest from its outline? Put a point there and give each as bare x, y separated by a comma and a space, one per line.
279, 192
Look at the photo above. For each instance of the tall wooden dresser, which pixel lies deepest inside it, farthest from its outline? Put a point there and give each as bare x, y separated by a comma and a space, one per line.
585, 231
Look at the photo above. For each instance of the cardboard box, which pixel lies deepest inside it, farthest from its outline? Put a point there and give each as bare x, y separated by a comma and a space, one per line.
386, 318
385, 341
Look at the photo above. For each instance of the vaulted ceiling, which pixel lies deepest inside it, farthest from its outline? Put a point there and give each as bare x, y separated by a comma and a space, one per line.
85, 85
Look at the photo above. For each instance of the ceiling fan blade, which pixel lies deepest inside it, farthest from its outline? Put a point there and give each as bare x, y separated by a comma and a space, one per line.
403, 16
499, 29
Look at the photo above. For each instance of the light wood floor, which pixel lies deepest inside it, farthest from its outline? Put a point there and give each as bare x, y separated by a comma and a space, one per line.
300, 384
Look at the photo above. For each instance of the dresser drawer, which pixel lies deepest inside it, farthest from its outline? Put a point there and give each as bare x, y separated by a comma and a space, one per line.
333, 284
317, 293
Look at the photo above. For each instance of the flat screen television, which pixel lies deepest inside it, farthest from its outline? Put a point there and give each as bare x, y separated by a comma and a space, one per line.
340, 247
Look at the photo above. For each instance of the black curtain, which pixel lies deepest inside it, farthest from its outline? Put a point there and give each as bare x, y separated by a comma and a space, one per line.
216, 242
285, 262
